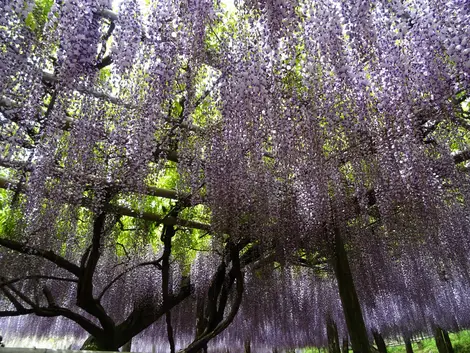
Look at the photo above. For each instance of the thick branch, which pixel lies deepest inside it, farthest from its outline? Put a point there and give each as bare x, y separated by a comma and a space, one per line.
108, 14
143, 317
104, 40
169, 330
320, 264
15, 280
50, 78
201, 342
45, 254
149, 190
106, 61
168, 233
18, 306
85, 297
8, 313
155, 263
86, 300
462, 157
51, 311
170, 221
212, 319
224, 294
86, 324
50, 299
88, 270
8, 184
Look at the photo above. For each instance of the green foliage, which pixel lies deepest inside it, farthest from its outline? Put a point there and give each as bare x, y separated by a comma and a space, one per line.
460, 342
186, 244
427, 345
31, 21
8, 217
37, 18
105, 75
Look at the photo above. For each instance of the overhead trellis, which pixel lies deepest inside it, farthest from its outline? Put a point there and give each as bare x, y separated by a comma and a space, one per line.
310, 148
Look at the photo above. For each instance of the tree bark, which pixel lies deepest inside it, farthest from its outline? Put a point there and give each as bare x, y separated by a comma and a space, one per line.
127, 347
447, 341
247, 346
332, 334
408, 346
440, 344
443, 343
379, 341
234, 275
95, 344
167, 234
345, 348
200, 320
347, 291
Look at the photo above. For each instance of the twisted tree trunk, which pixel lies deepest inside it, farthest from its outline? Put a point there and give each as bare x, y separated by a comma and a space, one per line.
347, 292
214, 321
127, 347
97, 344
345, 348
332, 334
447, 341
247, 346
442, 341
408, 346
379, 341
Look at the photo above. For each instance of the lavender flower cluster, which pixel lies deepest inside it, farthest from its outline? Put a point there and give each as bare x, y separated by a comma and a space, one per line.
303, 116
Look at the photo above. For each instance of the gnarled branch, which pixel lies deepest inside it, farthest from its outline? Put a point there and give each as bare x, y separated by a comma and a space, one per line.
118, 277
51, 311
9, 184
55, 278
463, 156
85, 297
141, 317
45, 254
207, 336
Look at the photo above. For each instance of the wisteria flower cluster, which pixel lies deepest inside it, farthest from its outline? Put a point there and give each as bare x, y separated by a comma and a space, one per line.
278, 126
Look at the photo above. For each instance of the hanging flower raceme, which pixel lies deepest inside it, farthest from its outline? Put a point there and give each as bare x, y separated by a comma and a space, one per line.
286, 119
79, 32
128, 35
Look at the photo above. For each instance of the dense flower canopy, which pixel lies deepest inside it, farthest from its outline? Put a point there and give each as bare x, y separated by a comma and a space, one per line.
276, 122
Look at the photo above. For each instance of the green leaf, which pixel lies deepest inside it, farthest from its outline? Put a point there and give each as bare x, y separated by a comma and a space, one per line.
31, 21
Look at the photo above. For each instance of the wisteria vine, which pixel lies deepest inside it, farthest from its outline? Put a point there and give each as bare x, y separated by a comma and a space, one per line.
279, 122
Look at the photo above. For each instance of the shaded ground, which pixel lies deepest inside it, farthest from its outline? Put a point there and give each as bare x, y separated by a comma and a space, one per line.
460, 342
